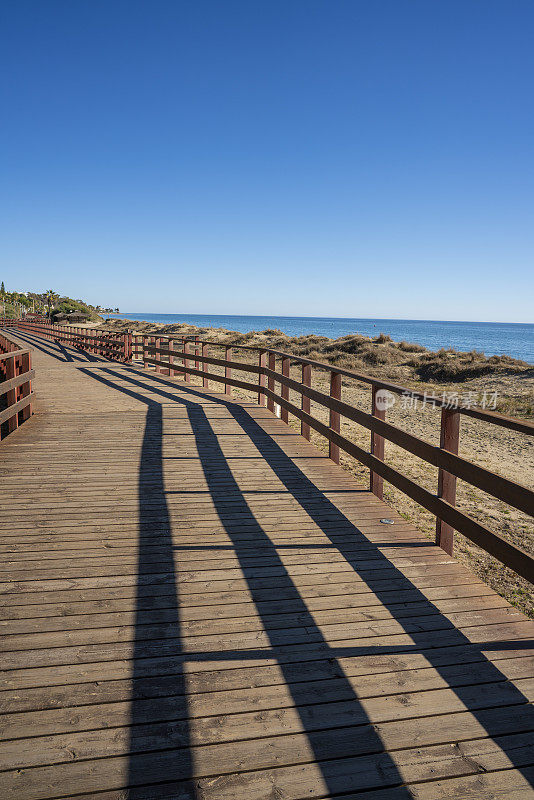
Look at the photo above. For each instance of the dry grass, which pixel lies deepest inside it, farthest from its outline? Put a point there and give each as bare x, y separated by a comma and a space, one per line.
497, 449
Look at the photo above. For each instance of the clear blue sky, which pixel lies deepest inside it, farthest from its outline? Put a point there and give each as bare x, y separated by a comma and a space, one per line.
335, 158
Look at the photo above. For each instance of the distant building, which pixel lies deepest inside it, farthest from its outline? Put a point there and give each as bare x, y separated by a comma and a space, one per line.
73, 317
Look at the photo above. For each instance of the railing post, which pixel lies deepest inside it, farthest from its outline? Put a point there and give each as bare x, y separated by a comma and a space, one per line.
127, 347
157, 356
205, 367
270, 381
197, 364
167, 370
187, 376
376, 482
335, 392
26, 387
144, 345
262, 361
228, 370
305, 402
11, 397
449, 440
172, 372
284, 413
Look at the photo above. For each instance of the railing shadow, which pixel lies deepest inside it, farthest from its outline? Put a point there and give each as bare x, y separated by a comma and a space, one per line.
430, 633
152, 502
56, 349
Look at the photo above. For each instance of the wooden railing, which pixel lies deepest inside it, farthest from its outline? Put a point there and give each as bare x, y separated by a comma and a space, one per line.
108, 344
15, 385
186, 356
273, 369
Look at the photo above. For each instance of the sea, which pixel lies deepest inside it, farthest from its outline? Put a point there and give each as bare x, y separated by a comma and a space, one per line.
491, 338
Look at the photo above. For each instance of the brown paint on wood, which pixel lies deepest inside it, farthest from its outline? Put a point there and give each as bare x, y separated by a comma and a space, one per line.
335, 393
450, 441
305, 403
284, 415
378, 410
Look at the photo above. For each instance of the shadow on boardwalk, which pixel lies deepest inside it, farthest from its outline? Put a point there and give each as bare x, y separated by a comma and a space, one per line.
57, 350
348, 750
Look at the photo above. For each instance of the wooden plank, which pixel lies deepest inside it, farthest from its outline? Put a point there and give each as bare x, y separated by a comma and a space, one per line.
221, 673
323, 705
365, 771
123, 627
82, 614
253, 648
370, 675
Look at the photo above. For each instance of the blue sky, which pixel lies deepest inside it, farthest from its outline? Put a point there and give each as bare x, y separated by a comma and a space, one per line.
333, 158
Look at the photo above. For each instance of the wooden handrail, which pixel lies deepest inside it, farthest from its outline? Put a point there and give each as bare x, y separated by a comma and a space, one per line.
493, 417
18, 380
519, 425
94, 340
15, 352
16, 393
445, 457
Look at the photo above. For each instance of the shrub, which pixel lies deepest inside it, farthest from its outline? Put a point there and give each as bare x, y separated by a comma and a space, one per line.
348, 344
375, 356
451, 372
411, 347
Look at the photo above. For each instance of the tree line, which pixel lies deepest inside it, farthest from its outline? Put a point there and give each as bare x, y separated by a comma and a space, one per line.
48, 303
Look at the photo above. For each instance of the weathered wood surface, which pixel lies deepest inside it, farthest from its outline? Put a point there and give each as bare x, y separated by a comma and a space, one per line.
196, 603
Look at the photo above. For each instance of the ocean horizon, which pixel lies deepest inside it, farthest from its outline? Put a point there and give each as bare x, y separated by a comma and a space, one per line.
514, 339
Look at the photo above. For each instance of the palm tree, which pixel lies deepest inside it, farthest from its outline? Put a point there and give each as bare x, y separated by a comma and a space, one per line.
51, 298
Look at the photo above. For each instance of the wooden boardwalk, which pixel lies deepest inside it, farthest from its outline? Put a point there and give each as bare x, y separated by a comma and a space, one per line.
197, 603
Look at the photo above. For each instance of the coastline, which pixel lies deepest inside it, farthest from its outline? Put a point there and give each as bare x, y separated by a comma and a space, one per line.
491, 338
401, 362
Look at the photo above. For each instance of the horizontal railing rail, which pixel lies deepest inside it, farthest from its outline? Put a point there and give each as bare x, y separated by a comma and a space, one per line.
186, 356
16, 375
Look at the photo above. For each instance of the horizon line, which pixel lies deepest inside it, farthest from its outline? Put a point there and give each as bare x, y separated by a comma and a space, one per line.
284, 316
